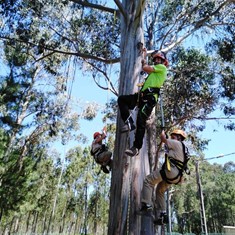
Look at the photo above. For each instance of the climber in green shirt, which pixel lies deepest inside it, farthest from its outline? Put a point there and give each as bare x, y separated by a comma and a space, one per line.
146, 100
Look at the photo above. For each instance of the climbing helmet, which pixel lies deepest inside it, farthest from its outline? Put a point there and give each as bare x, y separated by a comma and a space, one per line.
161, 55
179, 132
96, 134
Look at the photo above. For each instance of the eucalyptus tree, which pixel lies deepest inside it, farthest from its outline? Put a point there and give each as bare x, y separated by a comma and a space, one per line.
97, 36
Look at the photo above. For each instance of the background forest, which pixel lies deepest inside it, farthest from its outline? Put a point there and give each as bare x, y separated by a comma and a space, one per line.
45, 46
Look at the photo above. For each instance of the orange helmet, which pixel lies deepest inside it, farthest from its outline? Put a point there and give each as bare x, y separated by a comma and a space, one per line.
179, 132
96, 134
161, 55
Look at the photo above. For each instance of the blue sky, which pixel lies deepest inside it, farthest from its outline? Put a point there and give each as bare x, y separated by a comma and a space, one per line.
222, 142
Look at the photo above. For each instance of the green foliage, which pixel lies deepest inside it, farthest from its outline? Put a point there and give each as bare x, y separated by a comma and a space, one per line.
110, 112
218, 190
190, 93
15, 178
229, 167
228, 84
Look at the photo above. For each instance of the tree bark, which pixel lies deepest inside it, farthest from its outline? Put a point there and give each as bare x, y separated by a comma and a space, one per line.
28, 222
35, 222
128, 173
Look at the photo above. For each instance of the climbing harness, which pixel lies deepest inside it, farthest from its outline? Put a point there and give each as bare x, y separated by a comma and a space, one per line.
150, 91
145, 96
97, 152
181, 166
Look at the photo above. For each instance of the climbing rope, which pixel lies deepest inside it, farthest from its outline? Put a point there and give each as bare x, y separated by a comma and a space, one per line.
129, 197
219, 156
160, 98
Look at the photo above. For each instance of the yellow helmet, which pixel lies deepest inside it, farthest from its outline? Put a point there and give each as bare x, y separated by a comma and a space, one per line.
179, 132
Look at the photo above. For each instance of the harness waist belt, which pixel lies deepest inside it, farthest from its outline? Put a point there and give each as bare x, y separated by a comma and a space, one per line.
97, 151
151, 90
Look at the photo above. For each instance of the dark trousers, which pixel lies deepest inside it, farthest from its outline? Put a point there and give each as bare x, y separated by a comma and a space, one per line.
145, 104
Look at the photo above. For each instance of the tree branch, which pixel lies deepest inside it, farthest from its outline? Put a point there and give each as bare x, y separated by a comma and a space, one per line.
201, 22
121, 9
79, 54
96, 6
88, 56
113, 90
197, 26
213, 118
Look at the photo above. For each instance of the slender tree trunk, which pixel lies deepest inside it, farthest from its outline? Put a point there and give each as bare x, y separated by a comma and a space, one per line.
1, 211
70, 228
62, 223
6, 230
95, 216
76, 225
84, 229
16, 225
35, 221
51, 219
28, 222
12, 225
44, 227
128, 173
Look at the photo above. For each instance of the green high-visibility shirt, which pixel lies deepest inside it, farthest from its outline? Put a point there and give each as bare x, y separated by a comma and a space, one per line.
156, 78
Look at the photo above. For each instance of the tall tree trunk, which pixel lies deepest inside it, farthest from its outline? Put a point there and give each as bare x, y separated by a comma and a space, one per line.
35, 221
94, 229
128, 173
16, 225
71, 225
44, 225
51, 219
28, 222
77, 228
63, 216
84, 229
76, 225
11, 229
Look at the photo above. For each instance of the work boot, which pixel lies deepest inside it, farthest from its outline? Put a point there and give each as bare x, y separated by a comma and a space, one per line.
109, 165
105, 169
146, 210
163, 219
132, 152
129, 126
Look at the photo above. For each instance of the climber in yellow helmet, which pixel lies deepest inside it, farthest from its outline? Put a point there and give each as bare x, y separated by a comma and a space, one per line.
171, 172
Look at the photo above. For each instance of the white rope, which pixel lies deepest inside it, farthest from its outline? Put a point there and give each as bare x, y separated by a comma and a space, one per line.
129, 197
219, 156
